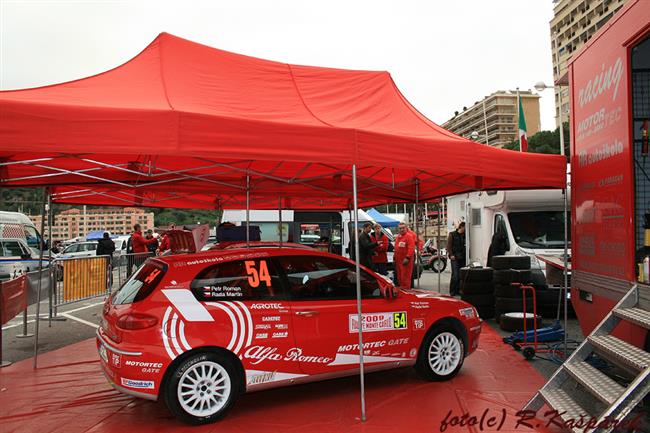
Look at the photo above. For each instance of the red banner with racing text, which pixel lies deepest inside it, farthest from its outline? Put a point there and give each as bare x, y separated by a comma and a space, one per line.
13, 298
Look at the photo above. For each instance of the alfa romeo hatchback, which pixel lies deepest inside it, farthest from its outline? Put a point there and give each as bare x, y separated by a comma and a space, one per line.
199, 330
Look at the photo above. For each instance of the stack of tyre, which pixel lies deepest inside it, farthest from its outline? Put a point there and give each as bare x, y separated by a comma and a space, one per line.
476, 288
508, 297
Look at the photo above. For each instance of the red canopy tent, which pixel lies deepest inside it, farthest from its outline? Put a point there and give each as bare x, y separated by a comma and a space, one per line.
186, 125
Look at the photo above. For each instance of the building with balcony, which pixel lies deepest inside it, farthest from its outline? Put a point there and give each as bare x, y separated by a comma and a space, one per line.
74, 223
495, 118
573, 24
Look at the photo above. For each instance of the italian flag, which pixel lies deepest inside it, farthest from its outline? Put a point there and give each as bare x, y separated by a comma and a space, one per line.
523, 139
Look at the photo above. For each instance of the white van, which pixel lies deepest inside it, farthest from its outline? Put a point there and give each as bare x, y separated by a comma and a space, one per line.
15, 225
533, 221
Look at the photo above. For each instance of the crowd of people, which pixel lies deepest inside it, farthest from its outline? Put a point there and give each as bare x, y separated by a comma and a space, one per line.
374, 246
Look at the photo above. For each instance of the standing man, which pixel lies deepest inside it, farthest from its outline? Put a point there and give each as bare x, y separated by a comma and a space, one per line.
152, 247
139, 246
106, 247
164, 244
380, 259
404, 256
457, 248
366, 246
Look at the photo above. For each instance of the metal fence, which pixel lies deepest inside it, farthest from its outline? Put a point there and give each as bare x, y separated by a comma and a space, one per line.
125, 265
80, 278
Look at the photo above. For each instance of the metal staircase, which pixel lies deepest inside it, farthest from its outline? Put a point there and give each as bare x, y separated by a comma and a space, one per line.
577, 390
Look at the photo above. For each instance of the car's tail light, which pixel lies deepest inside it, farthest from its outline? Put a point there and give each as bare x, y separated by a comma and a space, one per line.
136, 321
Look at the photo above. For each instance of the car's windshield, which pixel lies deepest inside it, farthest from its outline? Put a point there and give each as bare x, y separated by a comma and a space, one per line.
32, 237
538, 229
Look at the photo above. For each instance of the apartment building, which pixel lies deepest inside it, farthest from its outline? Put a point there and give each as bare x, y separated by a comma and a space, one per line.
73, 223
573, 24
495, 118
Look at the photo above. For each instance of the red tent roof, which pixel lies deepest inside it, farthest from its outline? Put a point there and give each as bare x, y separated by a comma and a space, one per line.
183, 124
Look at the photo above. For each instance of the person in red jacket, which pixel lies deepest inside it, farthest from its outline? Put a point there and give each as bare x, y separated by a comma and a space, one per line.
404, 255
139, 248
380, 259
164, 244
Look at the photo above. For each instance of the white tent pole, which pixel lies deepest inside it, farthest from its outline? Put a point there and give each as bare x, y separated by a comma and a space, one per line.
438, 243
417, 237
46, 193
280, 218
248, 209
356, 260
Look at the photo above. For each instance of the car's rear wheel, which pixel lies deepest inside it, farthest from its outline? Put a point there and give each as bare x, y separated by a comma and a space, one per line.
438, 265
202, 388
441, 355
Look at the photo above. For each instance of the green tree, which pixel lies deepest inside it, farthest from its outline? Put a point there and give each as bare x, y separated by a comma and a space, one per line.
545, 142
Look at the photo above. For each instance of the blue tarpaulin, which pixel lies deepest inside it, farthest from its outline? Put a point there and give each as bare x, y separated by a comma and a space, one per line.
97, 234
382, 219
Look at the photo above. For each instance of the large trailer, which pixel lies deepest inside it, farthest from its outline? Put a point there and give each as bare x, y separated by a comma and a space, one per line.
609, 83
532, 222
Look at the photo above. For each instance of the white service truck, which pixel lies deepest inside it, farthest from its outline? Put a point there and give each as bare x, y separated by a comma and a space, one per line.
530, 221
20, 245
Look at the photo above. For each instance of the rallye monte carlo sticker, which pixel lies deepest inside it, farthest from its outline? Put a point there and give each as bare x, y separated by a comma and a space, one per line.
374, 322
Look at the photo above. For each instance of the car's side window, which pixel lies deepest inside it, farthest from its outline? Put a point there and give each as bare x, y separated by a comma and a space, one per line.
240, 280
12, 249
318, 277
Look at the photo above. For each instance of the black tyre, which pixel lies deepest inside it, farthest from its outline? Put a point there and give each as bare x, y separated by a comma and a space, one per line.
478, 288
479, 300
475, 275
508, 276
511, 262
485, 312
441, 354
547, 297
202, 388
508, 291
513, 322
528, 352
538, 279
438, 265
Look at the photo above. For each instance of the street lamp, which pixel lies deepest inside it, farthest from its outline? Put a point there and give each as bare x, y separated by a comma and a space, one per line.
539, 86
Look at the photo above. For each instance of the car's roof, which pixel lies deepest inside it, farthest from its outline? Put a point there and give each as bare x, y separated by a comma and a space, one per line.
258, 245
212, 256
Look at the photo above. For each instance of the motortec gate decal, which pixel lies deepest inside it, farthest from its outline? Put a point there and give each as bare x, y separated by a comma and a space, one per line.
373, 322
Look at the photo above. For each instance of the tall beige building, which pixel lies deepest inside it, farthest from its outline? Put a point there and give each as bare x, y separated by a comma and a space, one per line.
72, 223
498, 115
574, 22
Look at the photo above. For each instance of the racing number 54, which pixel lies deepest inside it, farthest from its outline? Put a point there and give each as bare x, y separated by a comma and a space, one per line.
255, 275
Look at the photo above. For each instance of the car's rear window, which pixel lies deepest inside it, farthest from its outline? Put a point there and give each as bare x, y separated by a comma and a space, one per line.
141, 284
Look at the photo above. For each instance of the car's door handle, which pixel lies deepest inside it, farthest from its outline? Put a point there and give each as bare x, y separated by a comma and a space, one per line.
307, 313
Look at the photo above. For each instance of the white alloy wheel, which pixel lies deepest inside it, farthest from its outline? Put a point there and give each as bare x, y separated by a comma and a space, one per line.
445, 353
204, 389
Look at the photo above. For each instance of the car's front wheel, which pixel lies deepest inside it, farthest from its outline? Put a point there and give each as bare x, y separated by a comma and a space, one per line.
202, 388
441, 354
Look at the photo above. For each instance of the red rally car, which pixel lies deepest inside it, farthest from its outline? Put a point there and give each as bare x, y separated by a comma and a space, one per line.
198, 330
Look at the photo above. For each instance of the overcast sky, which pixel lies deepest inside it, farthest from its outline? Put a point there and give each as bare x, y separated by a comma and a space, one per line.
443, 54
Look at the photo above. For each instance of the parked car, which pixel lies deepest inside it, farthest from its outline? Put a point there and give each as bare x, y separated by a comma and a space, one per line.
197, 330
79, 249
16, 257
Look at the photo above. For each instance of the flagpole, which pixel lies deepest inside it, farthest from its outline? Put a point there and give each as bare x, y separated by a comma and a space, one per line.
518, 118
